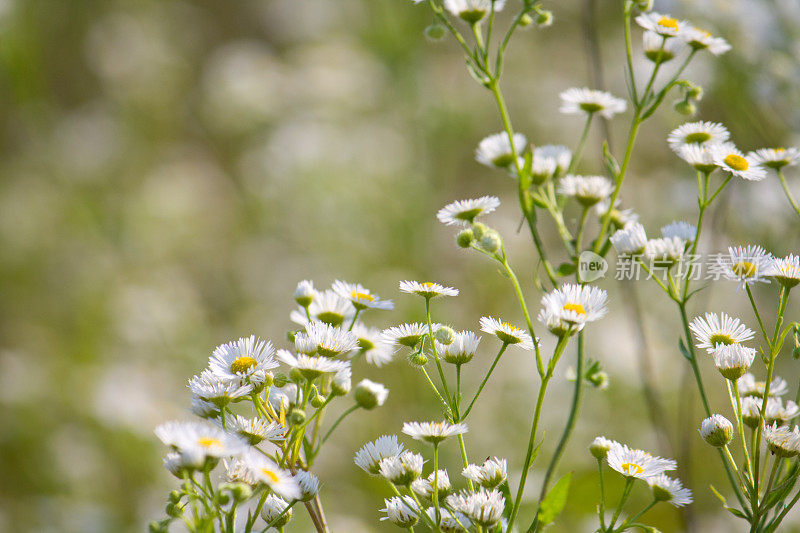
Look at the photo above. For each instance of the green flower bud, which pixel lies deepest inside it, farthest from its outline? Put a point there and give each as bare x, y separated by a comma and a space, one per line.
716, 430
158, 527
316, 399
445, 335
435, 32
599, 447
290, 335
174, 510
491, 241
280, 380
599, 380
544, 18
685, 108
418, 359
465, 238
296, 416
239, 491
175, 496
526, 20
296, 375
695, 93
369, 395
223, 498
643, 5
478, 229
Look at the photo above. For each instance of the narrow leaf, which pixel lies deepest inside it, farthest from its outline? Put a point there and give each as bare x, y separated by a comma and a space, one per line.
554, 502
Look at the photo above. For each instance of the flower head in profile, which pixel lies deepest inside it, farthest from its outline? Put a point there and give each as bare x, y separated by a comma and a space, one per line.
665, 251
401, 511
576, 100
360, 296
433, 432
423, 487
600, 446
659, 50
408, 335
402, 469
699, 39
670, 490
712, 329
484, 507
331, 341
698, 134
495, 150
701, 157
369, 394
210, 387
427, 289
197, 441
275, 512
630, 240
327, 307
785, 271
308, 483
549, 161
243, 359
305, 293
682, 230
567, 309
464, 212
472, 11
733, 360
268, 472
587, 190
776, 158
750, 386
637, 463
311, 367
507, 333
777, 411
745, 264
256, 430
733, 161
461, 350
782, 440
369, 456
716, 430
372, 345
663, 25
488, 475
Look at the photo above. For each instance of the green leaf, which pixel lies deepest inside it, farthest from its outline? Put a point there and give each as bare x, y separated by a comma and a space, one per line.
689, 357
736, 512
538, 201
718, 495
610, 161
565, 269
554, 502
646, 529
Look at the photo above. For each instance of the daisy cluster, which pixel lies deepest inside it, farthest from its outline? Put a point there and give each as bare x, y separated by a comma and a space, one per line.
261, 411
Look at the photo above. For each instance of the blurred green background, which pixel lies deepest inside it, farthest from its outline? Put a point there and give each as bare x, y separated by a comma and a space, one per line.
170, 169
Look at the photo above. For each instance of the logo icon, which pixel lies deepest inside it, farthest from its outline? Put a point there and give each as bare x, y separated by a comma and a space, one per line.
591, 267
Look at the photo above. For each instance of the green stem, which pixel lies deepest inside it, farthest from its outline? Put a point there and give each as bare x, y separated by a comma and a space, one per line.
579, 150
524, 307
625, 493
433, 349
740, 424
464, 458
436, 484
335, 424
602, 509
788, 192
636, 517
485, 379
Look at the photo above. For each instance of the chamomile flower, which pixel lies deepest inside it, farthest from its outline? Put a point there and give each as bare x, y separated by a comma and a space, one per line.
401, 511
733, 360
663, 25
311, 367
716, 430
751, 410
308, 483
331, 340
699, 39
484, 507
507, 333
243, 359
473, 10
427, 289
369, 456
255, 430
711, 330
785, 271
549, 161
210, 387
402, 469
658, 49
587, 190
449, 521
360, 296
433, 432
681, 230
408, 335
745, 264
423, 487
630, 240
197, 442
461, 350
667, 489
701, 157
488, 475
305, 293
236, 472
750, 386
372, 345
204, 408
619, 217
266, 471
274, 511
778, 412
697, 134
782, 441
495, 150
464, 212
567, 309
664, 251
733, 161
285, 396
369, 395
637, 463
775, 157
328, 307
576, 100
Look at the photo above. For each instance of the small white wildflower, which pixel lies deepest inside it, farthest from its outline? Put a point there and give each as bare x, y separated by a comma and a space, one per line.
433, 432
577, 100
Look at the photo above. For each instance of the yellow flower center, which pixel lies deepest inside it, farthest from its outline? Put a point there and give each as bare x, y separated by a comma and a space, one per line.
578, 308
208, 442
242, 364
668, 22
721, 338
744, 269
632, 468
270, 474
355, 295
736, 162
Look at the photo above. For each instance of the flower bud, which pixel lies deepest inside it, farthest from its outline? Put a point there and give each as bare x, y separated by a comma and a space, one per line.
304, 293
296, 416
280, 380
478, 229
643, 5
599, 380
418, 359
716, 430
174, 510
465, 238
695, 92
369, 395
685, 108
491, 241
272, 511
239, 491
544, 18
158, 527
222, 498
175, 496
435, 32
296, 375
445, 335
599, 447
526, 20
341, 383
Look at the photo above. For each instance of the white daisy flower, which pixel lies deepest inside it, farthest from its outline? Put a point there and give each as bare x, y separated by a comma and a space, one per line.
745, 264
749, 386
311, 367
266, 471
369, 456
701, 156
464, 212
204, 408
449, 521
359, 296
427, 289
663, 25
489, 475
473, 10
778, 412
242, 359
423, 487
600, 446
576, 100
372, 345
236, 471
461, 350
587, 190
328, 307
484, 507
331, 340
308, 483
619, 217
401, 511
637, 463
507, 333
659, 50
273, 511
716, 430
549, 161
664, 251
736, 163
342, 382
782, 441
369, 395
210, 387
681, 230
177, 465
408, 335
711, 330
433, 432
305, 293
495, 150
751, 410
699, 39
255, 430
567, 309
667, 489
697, 134
402, 469
733, 360
630, 240
775, 157
785, 271
197, 442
